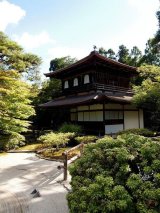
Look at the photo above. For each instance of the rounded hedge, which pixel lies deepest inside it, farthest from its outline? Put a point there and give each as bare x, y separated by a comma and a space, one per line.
140, 131
117, 175
70, 128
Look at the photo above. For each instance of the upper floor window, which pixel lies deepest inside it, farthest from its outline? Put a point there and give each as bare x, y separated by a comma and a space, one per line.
86, 79
66, 85
75, 82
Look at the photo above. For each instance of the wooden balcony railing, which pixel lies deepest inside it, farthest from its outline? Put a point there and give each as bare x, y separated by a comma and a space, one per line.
96, 86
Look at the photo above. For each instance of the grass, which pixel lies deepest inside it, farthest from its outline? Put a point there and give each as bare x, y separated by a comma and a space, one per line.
48, 153
31, 147
58, 154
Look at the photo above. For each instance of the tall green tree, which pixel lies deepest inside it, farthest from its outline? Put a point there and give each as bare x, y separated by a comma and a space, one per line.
135, 56
15, 107
107, 53
58, 63
102, 51
152, 50
15, 94
123, 54
152, 54
111, 54
147, 94
132, 58
156, 39
12, 56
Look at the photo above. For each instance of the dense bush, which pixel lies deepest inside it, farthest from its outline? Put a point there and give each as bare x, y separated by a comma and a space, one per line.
11, 141
142, 131
70, 128
56, 139
117, 175
86, 139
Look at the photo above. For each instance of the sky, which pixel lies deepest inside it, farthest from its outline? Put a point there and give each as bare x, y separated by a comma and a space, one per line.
57, 28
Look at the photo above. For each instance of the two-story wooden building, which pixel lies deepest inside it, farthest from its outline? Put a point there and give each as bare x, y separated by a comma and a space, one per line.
97, 92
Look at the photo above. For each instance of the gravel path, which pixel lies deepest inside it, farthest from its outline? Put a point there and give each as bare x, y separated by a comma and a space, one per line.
20, 174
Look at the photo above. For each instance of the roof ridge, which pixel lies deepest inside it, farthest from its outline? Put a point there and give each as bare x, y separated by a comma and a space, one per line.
92, 54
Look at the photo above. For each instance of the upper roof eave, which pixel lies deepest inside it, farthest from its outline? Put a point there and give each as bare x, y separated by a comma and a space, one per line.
83, 60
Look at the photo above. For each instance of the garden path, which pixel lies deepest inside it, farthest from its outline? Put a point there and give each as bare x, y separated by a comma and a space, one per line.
20, 174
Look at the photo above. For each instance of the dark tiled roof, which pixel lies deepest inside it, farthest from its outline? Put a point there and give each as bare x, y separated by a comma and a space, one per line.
95, 55
86, 99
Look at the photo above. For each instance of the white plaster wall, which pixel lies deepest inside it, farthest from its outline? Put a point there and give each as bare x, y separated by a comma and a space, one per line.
111, 129
131, 119
141, 118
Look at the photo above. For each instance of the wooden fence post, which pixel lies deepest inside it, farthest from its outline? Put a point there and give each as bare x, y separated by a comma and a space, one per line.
81, 149
65, 154
65, 158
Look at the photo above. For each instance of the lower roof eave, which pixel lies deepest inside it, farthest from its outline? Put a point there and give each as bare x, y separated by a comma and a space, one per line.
86, 99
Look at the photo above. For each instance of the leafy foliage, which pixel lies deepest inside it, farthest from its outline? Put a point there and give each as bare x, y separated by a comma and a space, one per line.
56, 139
143, 132
132, 57
107, 53
50, 89
70, 128
156, 40
12, 56
147, 93
86, 139
59, 63
15, 106
152, 51
117, 175
123, 54
11, 141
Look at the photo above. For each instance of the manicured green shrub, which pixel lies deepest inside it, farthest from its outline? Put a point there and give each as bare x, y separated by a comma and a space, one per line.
56, 139
119, 175
11, 141
86, 139
70, 128
142, 131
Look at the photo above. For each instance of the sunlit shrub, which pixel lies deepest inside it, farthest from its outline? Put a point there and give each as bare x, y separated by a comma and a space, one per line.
86, 139
56, 139
117, 175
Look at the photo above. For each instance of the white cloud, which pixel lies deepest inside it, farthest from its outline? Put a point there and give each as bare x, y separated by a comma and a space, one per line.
30, 42
67, 51
10, 14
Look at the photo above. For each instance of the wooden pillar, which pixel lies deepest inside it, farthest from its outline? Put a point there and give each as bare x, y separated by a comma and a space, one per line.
139, 119
123, 118
104, 115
